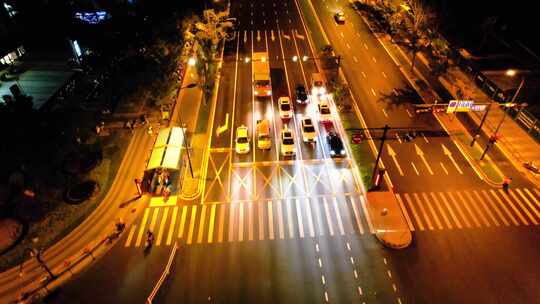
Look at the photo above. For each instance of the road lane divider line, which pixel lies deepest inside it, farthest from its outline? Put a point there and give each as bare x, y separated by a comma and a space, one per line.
279, 211
529, 203
240, 221
229, 185
475, 207
192, 221
449, 208
299, 218
202, 225
162, 226
231, 222
328, 218
523, 207
289, 218
486, 198
250, 221
439, 207
503, 206
211, 222
366, 214
130, 235
415, 214
484, 206
404, 211
384, 74
338, 216
432, 210
384, 112
455, 203
141, 228
423, 210
470, 212
307, 202
221, 216
182, 222
516, 210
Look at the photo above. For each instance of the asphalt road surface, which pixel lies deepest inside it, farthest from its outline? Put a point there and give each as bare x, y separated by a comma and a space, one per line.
269, 229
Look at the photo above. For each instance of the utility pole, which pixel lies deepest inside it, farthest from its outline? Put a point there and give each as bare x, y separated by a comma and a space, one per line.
381, 147
477, 133
37, 254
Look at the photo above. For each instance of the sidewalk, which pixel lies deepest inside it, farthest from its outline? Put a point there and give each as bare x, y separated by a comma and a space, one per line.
514, 142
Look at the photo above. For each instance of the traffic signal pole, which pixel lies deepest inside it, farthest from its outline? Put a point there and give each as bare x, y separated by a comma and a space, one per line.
381, 147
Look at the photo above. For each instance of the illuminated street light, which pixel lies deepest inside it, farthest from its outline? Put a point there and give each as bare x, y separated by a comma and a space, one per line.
295, 58
247, 59
511, 72
191, 61
304, 58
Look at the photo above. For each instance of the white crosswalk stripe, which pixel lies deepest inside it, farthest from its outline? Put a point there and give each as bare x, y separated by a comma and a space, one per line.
470, 209
252, 221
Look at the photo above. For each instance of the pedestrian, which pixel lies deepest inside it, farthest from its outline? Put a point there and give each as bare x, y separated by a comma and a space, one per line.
506, 183
120, 226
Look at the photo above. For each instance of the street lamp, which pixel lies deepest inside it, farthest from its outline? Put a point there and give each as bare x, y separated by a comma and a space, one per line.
295, 58
191, 61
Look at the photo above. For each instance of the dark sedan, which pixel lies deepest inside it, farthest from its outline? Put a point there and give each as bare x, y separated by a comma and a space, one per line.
336, 145
301, 95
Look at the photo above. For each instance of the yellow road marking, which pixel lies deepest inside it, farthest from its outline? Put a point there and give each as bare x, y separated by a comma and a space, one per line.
201, 224
466, 205
456, 204
437, 204
532, 197
211, 224
141, 228
486, 208
162, 226
191, 224
528, 203
173, 223
154, 219
182, 222
531, 217
130, 236
221, 223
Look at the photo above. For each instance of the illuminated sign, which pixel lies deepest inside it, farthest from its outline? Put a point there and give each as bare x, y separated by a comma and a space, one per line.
460, 106
92, 17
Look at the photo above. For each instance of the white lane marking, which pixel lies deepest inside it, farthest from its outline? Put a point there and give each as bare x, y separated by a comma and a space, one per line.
348, 246
423, 211
444, 168
409, 113
323, 280
162, 226
415, 170
341, 34
141, 228
452, 214
365, 45
389, 273
328, 218
130, 236
373, 92
250, 221
374, 60
356, 217
201, 224
385, 115
431, 209
318, 217
456, 204
241, 222
398, 138
221, 223
260, 213
405, 213
355, 274
231, 222
310, 218
348, 45
320, 262
366, 216
385, 261
364, 74
425, 138
466, 205
439, 207
270, 220
494, 207
191, 224
355, 59
211, 228
338, 215
384, 75
352, 260
415, 214
280, 220
360, 290
394, 287
172, 226
299, 217
289, 218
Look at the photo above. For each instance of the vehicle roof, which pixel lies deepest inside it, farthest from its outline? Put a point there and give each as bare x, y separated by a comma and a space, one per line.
242, 131
284, 99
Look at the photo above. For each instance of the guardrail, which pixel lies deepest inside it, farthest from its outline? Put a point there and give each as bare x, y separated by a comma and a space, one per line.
164, 275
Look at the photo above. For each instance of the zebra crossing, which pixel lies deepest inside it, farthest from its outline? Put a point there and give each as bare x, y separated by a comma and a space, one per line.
426, 211
252, 221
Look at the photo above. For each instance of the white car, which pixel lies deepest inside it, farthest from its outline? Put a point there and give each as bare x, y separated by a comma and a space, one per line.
287, 143
242, 140
309, 134
324, 112
285, 108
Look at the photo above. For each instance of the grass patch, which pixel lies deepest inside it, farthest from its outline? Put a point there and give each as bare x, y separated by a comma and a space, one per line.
475, 153
202, 119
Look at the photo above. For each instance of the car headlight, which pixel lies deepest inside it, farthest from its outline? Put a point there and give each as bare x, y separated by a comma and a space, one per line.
268, 92
322, 91
255, 92
342, 152
332, 152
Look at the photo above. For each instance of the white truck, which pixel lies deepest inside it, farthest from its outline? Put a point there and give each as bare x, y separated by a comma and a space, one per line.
261, 75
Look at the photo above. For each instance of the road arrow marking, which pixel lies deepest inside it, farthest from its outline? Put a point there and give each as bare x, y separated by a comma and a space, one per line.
421, 154
393, 155
258, 35
272, 35
447, 152
245, 36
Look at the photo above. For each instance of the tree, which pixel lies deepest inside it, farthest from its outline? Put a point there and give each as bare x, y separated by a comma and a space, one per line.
420, 19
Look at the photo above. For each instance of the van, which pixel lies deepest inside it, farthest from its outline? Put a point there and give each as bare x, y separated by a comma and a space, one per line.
263, 134
317, 84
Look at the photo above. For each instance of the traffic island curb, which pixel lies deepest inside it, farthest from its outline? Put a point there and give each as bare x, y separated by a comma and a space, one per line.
390, 225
